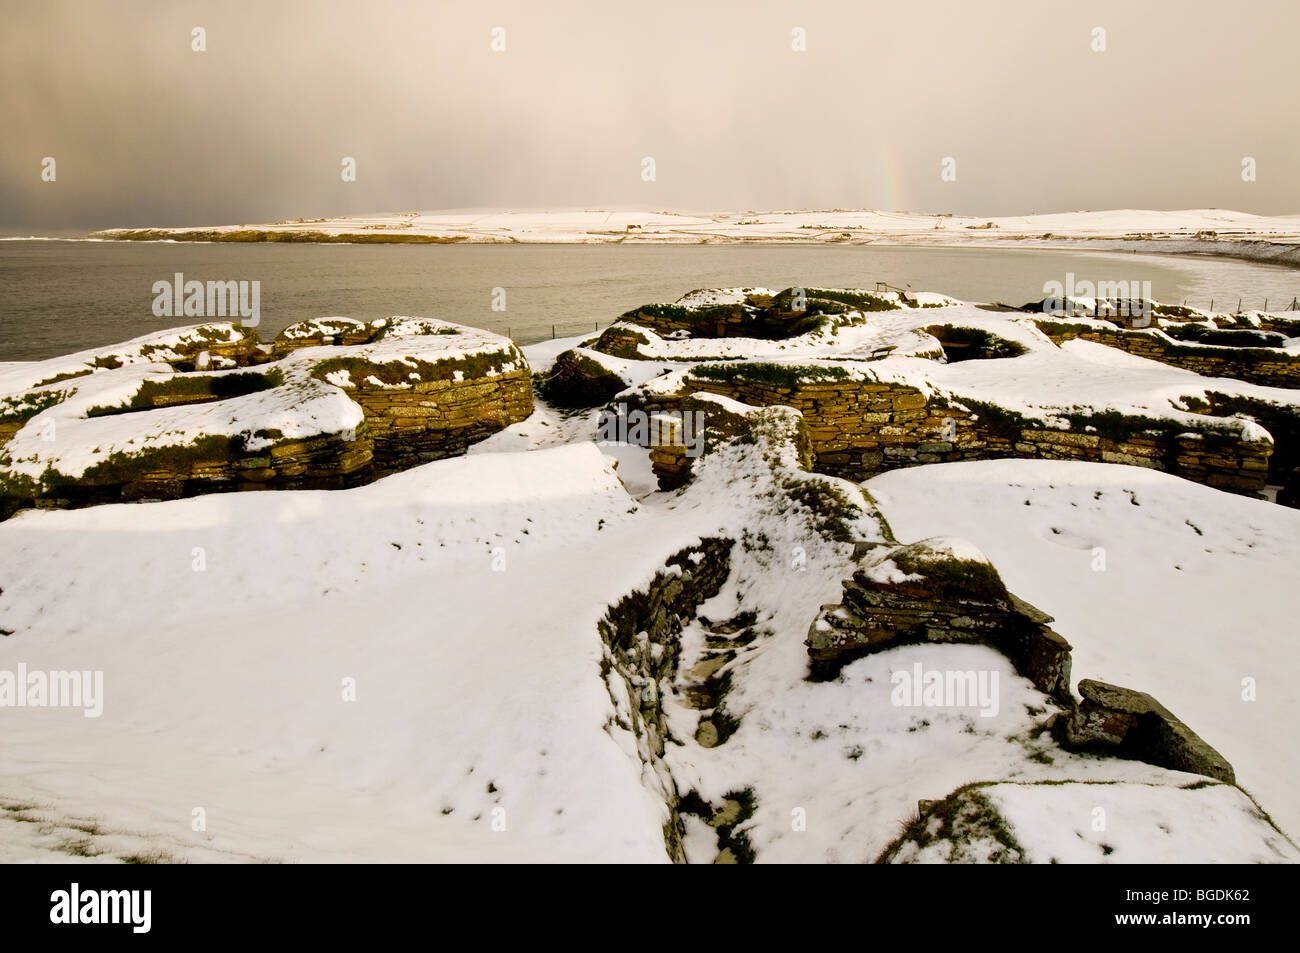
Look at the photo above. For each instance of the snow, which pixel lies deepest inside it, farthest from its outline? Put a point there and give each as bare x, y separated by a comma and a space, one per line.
1110, 823
955, 547
1045, 383
1143, 824
1239, 234
324, 326
886, 572
223, 686
306, 409
1191, 600
463, 598
155, 348
301, 407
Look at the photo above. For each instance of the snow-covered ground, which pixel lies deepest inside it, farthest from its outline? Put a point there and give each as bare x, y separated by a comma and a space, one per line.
411, 670
463, 600
1118, 823
1192, 597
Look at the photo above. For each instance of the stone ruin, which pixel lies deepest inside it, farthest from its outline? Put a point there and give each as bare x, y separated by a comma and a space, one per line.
868, 410
945, 590
329, 403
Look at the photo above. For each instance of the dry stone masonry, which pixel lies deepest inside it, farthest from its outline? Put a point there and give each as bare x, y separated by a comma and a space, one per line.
936, 590
860, 427
847, 361
641, 634
329, 404
1267, 366
945, 590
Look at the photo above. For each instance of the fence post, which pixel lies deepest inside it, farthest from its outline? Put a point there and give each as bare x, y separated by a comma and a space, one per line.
552, 332
1265, 304
1211, 306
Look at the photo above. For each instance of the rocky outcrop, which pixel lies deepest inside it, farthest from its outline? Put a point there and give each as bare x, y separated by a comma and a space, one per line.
936, 590
1132, 724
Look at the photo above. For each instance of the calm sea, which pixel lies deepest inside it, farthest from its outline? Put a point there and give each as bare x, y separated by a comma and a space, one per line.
63, 296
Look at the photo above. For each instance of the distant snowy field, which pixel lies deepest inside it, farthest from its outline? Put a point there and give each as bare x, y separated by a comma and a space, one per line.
1204, 231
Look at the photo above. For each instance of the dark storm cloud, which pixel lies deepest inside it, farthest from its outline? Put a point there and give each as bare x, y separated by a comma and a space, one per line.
146, 131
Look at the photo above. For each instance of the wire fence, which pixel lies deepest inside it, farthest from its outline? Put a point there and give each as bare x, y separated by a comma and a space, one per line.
534, 335
1240, 304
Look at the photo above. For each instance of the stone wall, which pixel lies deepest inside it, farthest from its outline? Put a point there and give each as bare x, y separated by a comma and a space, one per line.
1266, 366
1282, 421
861, 428
212, 465
670, 459
954, 600
642, 634
431, 420
404, 427
718, 321
921, 593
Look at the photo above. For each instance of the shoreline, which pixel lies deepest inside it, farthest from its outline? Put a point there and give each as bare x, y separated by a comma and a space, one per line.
1285, 255
1212, 233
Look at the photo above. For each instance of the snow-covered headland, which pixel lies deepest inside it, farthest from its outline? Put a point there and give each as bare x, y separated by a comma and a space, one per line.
802, 636
1215, 232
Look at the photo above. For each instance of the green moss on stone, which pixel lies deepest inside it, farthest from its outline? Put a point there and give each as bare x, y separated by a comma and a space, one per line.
951, 578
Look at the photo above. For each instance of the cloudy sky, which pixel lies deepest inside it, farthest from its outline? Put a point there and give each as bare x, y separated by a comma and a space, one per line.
144, 130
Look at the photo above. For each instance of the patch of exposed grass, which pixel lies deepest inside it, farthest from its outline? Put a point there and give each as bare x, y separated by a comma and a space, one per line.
399, 371
193, 389
953, 578
22, 408
976, 342
969, 822
776, 375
